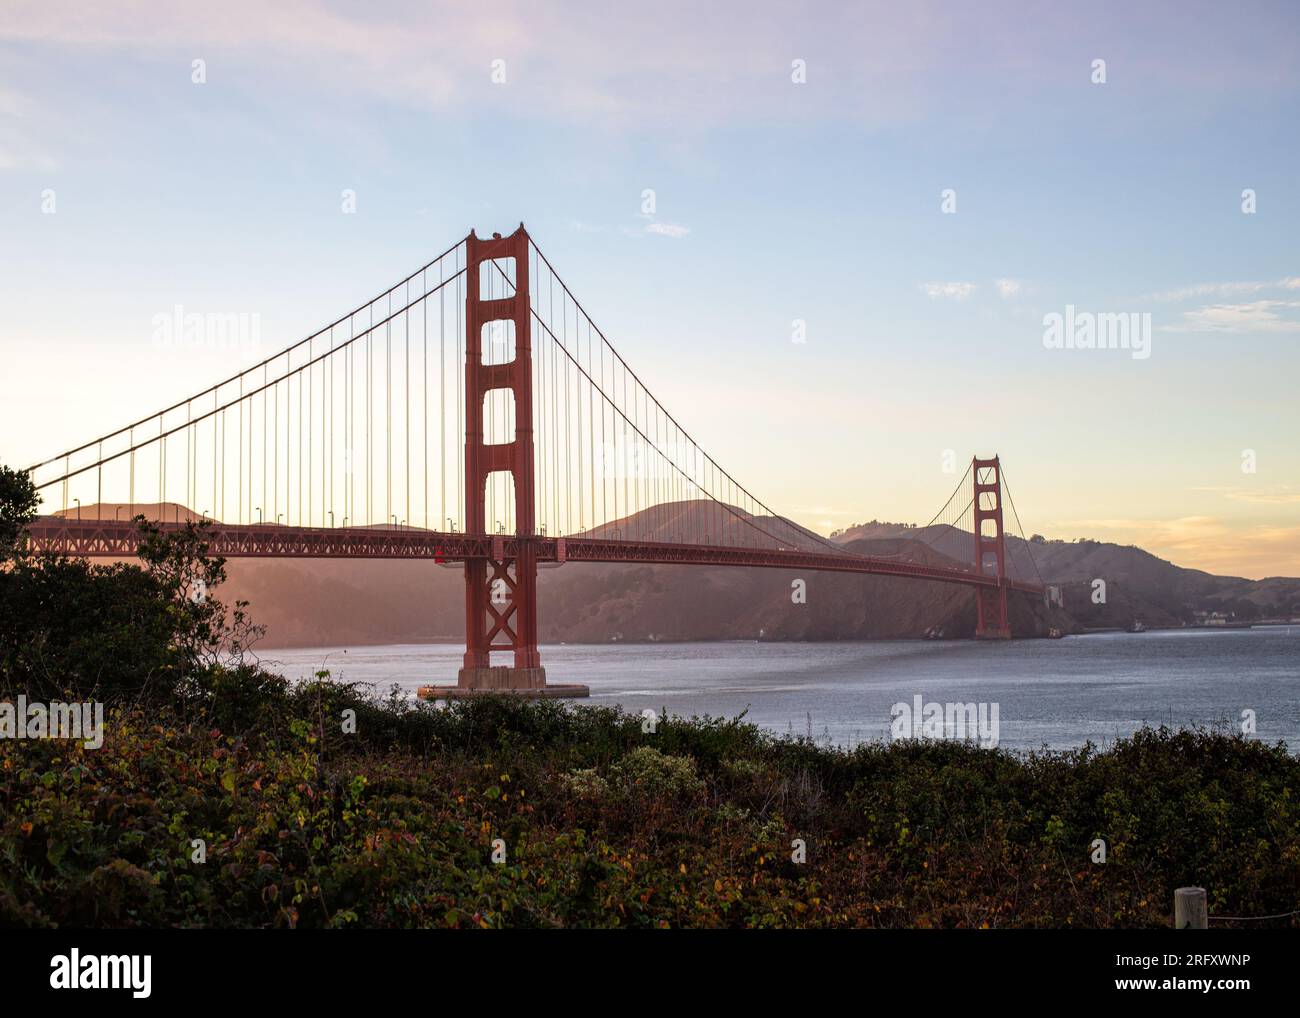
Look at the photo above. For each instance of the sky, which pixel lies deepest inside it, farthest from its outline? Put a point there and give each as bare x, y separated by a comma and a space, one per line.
914, 189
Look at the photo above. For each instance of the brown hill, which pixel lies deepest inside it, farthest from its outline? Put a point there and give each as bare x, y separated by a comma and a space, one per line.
328, 602
170, 512
332, 601
1139, 585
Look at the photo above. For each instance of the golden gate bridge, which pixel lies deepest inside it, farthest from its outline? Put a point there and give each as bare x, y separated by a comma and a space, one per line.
474, 413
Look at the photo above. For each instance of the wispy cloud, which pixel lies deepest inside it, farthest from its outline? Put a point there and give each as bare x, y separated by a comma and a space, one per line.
1229, 289
1254, 316
1281, 494
948, 291
875, 62
1008, 288
589, 63
674, 230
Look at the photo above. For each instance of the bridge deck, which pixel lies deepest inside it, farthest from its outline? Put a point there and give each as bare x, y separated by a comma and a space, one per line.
117, 539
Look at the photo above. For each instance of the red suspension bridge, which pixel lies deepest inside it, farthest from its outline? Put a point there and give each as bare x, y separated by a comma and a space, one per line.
475, 414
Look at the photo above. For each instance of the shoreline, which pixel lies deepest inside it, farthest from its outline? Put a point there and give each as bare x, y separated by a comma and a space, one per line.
1106, 631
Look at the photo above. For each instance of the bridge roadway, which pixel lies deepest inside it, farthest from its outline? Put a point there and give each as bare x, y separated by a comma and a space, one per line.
121, 539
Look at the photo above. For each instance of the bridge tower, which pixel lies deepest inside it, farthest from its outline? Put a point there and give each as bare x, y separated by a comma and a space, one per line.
501, 583
500, 589
990, 605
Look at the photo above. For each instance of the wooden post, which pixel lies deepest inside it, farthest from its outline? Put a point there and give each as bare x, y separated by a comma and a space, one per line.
1190, 912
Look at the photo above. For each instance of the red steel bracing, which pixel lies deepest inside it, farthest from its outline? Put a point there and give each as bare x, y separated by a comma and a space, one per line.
500, 590
990, 605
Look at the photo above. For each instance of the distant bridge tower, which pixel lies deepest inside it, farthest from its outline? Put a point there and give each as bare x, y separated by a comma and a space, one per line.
990, 543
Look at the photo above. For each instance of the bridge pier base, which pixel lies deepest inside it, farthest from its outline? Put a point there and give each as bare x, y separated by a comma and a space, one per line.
501, 677
991, 615
503, 681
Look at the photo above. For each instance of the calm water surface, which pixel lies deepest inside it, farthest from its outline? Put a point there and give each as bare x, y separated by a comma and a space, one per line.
1050, 693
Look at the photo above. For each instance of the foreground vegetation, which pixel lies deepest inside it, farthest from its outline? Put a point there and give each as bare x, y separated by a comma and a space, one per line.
605, 825
223, 796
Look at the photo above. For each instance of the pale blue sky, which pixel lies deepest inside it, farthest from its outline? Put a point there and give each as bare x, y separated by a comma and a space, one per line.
775, 201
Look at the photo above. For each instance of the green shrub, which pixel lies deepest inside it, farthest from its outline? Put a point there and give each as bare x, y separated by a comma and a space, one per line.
586, 784
650, 773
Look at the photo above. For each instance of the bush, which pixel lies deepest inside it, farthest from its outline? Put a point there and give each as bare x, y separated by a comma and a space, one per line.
304, 825
648, 772
119, 632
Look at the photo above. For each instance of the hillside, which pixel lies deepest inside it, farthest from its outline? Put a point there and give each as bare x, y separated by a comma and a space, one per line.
1139, 585
312, 602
